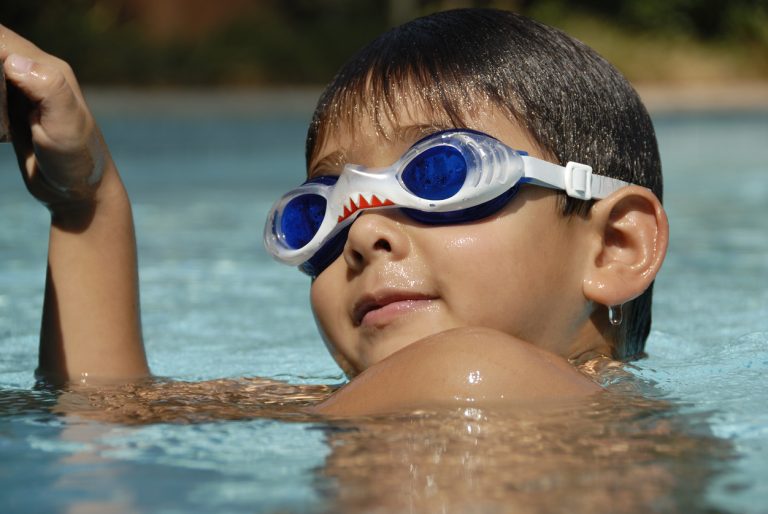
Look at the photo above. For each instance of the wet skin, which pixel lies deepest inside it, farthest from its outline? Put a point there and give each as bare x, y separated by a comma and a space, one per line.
487, 311
423, 311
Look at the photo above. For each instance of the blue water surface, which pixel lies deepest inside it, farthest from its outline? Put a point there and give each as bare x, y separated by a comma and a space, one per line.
215, 305
709, 345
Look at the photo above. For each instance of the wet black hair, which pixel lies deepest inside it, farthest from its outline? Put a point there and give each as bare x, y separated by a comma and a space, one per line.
572, 102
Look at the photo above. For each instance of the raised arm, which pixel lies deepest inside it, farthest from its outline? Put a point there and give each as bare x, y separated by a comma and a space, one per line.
91, 325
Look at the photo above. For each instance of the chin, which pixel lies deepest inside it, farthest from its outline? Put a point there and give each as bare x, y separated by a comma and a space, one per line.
374, 352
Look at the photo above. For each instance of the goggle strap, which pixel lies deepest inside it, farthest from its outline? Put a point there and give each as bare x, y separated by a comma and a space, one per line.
606, 186
576, 179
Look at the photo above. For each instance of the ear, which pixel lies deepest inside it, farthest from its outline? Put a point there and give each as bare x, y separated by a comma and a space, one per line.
631, 237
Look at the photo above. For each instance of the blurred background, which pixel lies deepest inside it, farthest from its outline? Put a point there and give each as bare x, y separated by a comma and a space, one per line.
303, 42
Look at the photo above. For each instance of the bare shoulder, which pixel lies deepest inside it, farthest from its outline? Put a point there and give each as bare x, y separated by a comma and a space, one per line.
465, 366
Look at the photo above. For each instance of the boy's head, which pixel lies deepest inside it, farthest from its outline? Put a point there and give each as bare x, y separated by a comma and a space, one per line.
534, 269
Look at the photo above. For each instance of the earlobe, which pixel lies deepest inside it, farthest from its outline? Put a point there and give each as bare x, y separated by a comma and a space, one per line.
632, 234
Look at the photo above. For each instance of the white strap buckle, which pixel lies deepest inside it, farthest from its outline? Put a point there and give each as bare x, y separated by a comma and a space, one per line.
578, 180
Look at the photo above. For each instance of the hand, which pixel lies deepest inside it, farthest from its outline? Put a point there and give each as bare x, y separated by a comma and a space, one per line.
61, 152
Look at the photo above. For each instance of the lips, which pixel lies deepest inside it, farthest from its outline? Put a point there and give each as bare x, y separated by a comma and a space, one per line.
389, 300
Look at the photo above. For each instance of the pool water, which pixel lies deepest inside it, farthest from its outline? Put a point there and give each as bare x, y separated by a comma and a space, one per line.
685, 431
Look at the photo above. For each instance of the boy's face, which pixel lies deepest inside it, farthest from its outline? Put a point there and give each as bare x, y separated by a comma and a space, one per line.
398, 281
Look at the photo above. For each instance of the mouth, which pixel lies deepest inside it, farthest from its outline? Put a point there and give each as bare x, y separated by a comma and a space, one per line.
379, 309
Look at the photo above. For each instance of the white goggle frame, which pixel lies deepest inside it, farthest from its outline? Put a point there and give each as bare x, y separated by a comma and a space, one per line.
492, 169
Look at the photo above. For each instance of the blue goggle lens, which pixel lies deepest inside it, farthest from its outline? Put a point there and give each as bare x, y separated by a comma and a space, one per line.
436, 174
301, 219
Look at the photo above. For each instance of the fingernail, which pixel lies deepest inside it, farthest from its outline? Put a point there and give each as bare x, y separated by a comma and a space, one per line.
20, 65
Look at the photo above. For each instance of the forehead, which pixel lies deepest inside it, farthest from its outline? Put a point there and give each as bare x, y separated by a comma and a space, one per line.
378, 138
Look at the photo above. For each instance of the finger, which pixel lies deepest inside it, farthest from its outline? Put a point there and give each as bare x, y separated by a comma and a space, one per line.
12, 43
58, 110
39, 82
56, 118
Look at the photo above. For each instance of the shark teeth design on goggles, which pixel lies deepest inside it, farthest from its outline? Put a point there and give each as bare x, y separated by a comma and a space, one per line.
449, 177
363, 203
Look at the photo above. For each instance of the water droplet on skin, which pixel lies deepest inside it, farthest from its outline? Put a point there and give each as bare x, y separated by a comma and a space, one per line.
461, 242
474, 377
615, 315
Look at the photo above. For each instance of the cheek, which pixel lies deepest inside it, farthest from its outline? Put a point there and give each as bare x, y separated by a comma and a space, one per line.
324, 305
472, 264
484, 249
501, 273
329, 296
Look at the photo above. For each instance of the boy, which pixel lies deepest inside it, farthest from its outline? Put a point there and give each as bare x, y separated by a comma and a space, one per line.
482, 303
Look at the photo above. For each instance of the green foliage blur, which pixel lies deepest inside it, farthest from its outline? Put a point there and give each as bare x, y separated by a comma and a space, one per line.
272, 42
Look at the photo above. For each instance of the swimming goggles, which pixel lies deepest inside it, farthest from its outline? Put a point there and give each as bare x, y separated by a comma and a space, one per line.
453, 176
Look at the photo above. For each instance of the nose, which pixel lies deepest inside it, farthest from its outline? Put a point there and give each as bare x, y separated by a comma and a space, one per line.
374, 236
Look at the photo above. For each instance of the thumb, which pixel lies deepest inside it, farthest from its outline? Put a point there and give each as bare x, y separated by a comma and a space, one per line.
58, 144
55, 104
36, 80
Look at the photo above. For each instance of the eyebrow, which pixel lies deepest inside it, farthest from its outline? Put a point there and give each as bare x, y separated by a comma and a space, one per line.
409, 133
332, 161
413, 133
